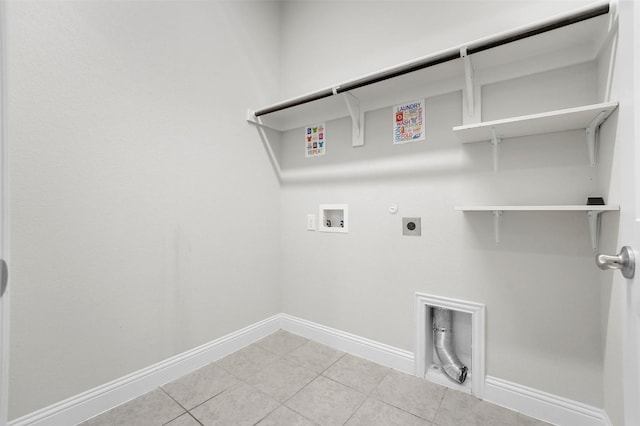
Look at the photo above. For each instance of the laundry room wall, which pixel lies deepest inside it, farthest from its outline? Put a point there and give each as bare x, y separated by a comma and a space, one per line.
144, 211
539, 285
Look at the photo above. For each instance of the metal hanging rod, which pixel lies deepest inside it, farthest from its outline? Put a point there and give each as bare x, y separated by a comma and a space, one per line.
446, 56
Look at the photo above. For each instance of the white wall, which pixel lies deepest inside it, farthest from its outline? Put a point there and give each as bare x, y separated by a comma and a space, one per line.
326, 42
146, 218
539, 285
144, 211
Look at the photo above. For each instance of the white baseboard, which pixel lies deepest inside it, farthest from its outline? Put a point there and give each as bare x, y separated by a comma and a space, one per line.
541, 405
380, 353
98, 400
531, 402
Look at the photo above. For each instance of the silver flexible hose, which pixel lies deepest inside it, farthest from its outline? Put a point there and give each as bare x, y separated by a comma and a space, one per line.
443, 344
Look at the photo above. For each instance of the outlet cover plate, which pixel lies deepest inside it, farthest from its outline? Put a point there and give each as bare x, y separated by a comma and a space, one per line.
311, 222
411, 226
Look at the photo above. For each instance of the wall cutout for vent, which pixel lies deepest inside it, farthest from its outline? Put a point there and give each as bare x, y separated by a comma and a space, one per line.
468, 335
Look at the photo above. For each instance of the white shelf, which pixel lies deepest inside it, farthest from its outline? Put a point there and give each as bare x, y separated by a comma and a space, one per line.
535, 124
563, 208
593, 215
557, 42
588, 117
572, 44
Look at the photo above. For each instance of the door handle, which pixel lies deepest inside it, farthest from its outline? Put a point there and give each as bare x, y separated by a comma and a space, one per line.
625, 261
4, 276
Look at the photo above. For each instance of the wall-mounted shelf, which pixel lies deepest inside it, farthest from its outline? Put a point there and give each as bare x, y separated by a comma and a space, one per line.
588, 117
593, 215
560, 208
559, 41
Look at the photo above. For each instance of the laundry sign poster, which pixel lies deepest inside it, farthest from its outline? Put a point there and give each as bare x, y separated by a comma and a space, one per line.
315, 137
408, 122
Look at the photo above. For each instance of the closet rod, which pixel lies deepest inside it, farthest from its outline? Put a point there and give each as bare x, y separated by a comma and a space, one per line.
449, 55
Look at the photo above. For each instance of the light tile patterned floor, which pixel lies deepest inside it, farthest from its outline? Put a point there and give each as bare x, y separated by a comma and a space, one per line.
286, 379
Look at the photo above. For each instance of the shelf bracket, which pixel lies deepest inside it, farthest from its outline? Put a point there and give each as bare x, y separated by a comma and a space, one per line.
256, 121
592, 131
497, 225
495, 149
468, 78
471, 92
251, 118
594, 227
357, 119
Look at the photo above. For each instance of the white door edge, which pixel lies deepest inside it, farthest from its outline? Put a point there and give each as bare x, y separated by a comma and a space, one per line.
4, 221
631, 333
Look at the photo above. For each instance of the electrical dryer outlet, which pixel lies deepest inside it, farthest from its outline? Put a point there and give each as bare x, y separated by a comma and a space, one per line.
411, 226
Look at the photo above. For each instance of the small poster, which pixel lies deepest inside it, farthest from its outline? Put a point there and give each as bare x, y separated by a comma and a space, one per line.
408, 122
315, 140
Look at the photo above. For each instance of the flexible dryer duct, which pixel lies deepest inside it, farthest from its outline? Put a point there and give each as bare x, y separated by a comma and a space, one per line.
443, 344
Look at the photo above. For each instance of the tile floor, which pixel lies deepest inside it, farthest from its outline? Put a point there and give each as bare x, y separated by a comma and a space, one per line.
285, 379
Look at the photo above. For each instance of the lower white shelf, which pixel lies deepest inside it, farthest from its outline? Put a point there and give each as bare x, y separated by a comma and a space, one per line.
593, 215
580, 208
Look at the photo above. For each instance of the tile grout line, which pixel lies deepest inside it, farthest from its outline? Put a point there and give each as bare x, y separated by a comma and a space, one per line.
307, 368
346, 386
269, 413
194, 418
366, 394
392, 404
333, 363
278, 357
354, 389
281, 358
174, 400
400, 408
314, 379
283, 403
218, 394
328, 378
288, 352
380, 381
435, 416
356, 410
298, 413
298, 391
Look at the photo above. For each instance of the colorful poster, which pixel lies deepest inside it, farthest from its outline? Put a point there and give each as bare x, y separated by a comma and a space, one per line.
315, 137
408, 122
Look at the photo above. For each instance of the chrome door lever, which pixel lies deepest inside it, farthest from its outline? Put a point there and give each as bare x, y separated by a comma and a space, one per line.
625, 261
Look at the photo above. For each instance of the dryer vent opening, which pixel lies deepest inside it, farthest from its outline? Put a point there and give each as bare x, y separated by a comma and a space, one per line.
443, 343
450, 343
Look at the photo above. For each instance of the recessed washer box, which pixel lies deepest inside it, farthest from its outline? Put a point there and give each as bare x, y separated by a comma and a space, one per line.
333, 218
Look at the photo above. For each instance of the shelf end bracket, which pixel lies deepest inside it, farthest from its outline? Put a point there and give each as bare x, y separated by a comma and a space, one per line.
251, 118
495, 149
592, 131
256, 121
594, 227
357, 119
497, 225
468, 78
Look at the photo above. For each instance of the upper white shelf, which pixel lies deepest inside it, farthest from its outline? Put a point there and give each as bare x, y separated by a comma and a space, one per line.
494, 58
547, 122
